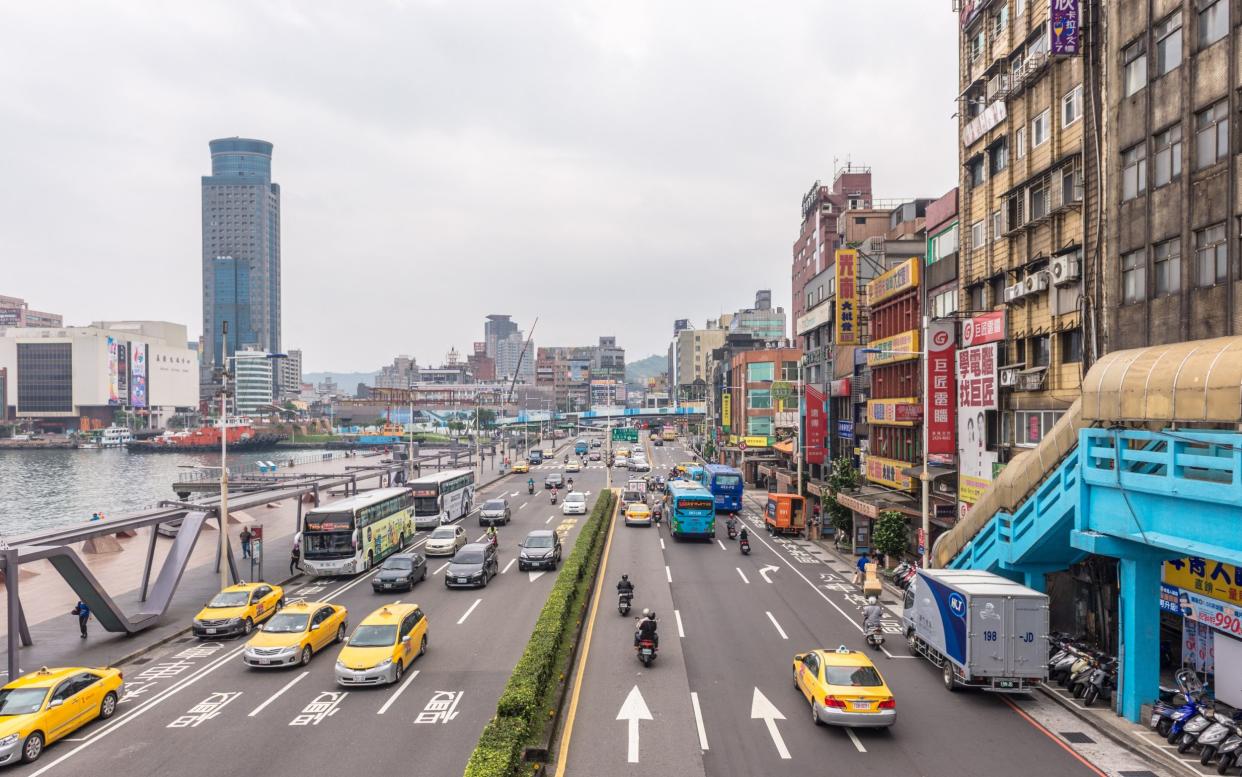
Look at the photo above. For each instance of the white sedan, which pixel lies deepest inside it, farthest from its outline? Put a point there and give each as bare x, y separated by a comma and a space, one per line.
575, 504
445, 541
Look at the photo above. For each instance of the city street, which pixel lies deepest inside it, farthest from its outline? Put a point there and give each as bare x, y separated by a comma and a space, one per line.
718, 701
193, 708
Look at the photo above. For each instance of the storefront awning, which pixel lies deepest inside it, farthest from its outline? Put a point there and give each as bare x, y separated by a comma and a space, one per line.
785, 447
934, 472
872, 501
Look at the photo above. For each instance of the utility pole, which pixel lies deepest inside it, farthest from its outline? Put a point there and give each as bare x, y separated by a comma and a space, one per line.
224, 449
925, 477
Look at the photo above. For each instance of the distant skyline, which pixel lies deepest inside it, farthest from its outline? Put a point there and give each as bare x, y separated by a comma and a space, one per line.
605, 167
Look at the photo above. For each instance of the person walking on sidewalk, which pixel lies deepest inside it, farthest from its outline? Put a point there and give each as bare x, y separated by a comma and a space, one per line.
245, 538
293, 557
84, 613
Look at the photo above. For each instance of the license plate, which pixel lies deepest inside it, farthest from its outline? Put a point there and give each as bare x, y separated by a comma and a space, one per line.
264, 661
1006, 683
462, 580
211, 631
862, 705
1154, 720
646, 651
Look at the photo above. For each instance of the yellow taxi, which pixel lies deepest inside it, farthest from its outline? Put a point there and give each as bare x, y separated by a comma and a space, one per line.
41, 707
384, 644
297, 632
520, 467
844, 688
549, 453
637, 514
573, 466
237, 609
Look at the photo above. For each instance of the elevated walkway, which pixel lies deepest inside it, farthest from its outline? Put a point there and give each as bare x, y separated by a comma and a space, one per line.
1146, 466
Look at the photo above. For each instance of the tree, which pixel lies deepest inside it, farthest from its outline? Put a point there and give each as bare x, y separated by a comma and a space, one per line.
891, 533
842, 478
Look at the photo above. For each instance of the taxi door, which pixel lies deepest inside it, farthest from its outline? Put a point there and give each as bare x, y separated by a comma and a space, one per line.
807, 676
263, 600
326, 630
408, 644
65, 708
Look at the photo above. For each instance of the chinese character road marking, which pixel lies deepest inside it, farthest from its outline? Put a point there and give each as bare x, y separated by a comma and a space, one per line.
204, 650
325, 705
205, 710
442, 708
164, 670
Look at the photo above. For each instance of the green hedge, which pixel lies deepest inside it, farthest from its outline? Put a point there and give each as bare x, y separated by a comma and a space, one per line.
519, 715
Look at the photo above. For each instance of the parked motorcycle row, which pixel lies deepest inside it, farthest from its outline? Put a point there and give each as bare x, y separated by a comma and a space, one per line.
1088, 674
1186, 717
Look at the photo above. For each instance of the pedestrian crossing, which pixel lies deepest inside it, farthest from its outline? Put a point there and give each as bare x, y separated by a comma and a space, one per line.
558, 466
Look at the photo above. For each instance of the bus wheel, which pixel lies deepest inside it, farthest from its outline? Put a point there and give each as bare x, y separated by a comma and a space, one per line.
370, 559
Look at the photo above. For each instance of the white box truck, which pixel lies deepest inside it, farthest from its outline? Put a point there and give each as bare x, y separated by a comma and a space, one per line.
983, 630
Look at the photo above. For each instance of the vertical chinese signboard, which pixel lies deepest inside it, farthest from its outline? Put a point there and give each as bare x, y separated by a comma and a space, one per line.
976, 394
137, 375
114, 397
726, 410
816, 425
940, 420
1066, 38
847, 296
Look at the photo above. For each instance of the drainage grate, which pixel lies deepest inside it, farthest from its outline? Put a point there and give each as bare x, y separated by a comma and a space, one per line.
1076, 738
140, 661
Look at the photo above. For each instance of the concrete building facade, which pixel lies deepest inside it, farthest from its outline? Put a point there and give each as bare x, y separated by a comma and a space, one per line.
16, 313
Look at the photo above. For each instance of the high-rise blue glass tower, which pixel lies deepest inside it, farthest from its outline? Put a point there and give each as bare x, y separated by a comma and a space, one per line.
241, 249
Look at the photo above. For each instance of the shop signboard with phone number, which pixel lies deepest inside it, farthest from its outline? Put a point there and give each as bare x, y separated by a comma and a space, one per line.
1215, 613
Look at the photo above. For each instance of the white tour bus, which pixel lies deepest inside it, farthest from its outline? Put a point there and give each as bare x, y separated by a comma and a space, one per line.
442, 498
357, 533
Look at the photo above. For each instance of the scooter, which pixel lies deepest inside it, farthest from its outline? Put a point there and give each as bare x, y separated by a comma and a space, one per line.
530, 488
1077, 683
1197, 725
1103, 678
875, 635
1229, 751
732, 531
1214, 736
745, 546
646, 650
553, 497
1168, 717
624, 599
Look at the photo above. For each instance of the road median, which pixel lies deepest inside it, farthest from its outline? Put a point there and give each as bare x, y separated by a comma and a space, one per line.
529, 707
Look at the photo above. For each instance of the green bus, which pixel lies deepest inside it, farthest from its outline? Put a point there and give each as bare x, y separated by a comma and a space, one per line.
357, 533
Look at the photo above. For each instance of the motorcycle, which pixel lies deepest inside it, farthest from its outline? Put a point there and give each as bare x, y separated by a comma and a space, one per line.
530, 488
624, 598
1103, 678
732, 530
494, 540
646, 650
1214, 736
1229, 752
657, 513
875, 635
553, 497
1168, 717
1197, 725
1077, 682
745, 546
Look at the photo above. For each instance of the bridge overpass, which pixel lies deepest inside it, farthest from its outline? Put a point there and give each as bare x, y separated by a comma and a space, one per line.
595, 416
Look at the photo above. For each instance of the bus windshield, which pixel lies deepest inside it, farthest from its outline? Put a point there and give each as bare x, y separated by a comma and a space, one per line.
727, 481
426, 505
327, 545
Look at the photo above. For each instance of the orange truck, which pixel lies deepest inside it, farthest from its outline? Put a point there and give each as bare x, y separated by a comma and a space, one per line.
786, 514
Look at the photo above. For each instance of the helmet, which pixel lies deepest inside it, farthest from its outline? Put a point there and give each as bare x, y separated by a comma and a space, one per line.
625, 577
651, 615
871, 600
646, 613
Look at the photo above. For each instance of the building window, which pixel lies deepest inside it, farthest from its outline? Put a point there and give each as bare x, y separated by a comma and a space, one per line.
1168, 146
44, 378
789, 371
758, 372
1071, 185
1019, 352
759, 399
759, 426
1071, 346
1000, 20
944, 304
997, 225
1135, 58
1019, 142
978, 234
1213, 21
1211, 255
976, 171
1071, 106
1133, 172
1167, 258
998, 289
1019, 7
1037, 195
976, 44
975, 294
1039, 130
1030, 426
1211, 135
998, 156
1168, 35
1134, 276
1041, 351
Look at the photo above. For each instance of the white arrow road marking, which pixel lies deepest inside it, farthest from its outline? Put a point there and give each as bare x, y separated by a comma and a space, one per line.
462, 619
721, 544
681, 630
276, 695
515, 493
633, 710
854, 738
698, 720
772, 618
506, 569
760, 707
398, 692
535, 575
764, 572
743, 574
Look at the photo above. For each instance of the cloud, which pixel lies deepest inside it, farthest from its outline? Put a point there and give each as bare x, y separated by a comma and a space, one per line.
606, 167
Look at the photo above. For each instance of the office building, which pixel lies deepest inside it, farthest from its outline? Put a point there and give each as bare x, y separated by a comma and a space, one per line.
497, 327
15, 312
761, 321
241, 251
690, 353
290, 369
402, 373
252, 375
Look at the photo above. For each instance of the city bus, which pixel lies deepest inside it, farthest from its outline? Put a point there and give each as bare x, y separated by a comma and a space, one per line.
725, 483
442, 498
697, 474
357, 533
691, 510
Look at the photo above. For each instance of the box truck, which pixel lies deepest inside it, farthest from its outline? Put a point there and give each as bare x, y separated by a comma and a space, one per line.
983, 630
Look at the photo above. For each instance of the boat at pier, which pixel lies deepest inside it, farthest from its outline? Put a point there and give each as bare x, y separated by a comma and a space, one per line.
240, 432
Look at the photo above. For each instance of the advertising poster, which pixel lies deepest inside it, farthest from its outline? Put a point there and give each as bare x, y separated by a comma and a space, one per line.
137, 375
726, 410
816, 425
941, 387
898, 348
847, 296
114, 398
888, 472
976, 394
985, 328
1063, 20
901, 278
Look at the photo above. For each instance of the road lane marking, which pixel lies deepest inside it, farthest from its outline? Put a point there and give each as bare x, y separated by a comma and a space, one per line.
698, 719
462, 619
276, 695
765, 570
761, 708
721, 544
668, 573
515, 493
397, 692
633, 709
772, 618
550, 519
661, 543
681, 630
743, 574
506, 569
442, 567
535, 575
854, 738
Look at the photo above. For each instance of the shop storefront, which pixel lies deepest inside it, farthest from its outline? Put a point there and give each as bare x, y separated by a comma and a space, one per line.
1201, 606
867, 503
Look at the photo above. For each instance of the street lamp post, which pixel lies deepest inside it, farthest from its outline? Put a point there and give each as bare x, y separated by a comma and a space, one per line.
224, 449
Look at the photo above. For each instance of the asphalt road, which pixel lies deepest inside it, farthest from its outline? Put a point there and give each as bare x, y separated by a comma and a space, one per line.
721, 697
193, 708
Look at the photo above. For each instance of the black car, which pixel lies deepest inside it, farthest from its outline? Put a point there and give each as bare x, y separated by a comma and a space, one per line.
555, 479
540, 550
399, 572
473, 566
657, 442
494, 512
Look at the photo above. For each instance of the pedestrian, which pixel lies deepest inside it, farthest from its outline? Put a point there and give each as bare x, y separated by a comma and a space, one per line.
293, 560
245, 541
84, 613
861, 575
94, 516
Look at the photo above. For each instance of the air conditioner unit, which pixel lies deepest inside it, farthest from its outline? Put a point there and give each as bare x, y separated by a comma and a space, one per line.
1008, 376
1034, 283
998, 86
1065, 269
1013, 293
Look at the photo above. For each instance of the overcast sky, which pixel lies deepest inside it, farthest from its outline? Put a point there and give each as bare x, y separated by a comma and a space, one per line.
605, 166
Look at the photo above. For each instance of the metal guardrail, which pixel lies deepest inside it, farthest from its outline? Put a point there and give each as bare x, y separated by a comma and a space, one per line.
212, 473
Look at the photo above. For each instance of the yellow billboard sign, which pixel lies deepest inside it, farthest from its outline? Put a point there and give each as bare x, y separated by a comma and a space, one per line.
847, 296
1207, 577
970, 489
905, 411
888, 472
898, 348
901, 278
726, 410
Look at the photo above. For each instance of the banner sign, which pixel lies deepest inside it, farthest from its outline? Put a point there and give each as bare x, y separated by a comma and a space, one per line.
113, 397
1219, 615
858, 505
898, 348
894, 412
726, 410
888, 472
970, 488
976, 394
1208, 577
845, 430
986, 328
1063, 21
847, 296
138, 375
122, 371
902, 277
816, 425
840, 388
941, 389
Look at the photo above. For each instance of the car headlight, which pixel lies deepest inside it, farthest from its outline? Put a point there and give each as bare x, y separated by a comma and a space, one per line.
11, 739
341, 666
198, 622
383, 663
233, 621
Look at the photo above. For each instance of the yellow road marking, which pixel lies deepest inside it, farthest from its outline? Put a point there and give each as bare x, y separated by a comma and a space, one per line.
562, 756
